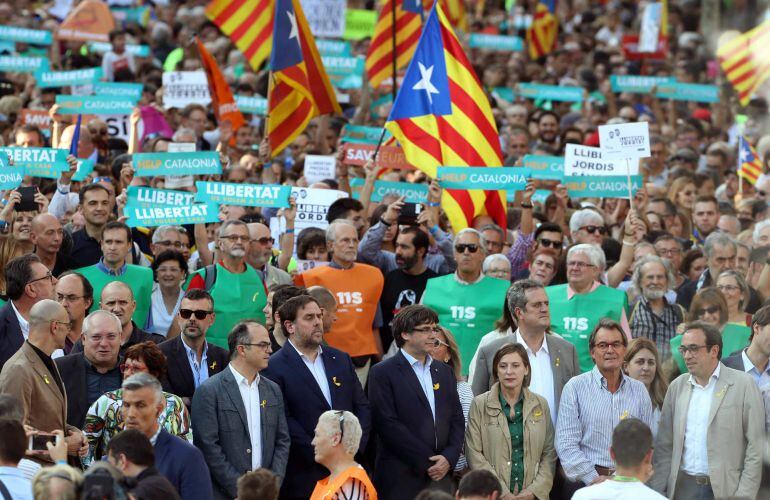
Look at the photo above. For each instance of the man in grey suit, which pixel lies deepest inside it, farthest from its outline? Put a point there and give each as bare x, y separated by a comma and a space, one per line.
711, 433
553, 360
238, 417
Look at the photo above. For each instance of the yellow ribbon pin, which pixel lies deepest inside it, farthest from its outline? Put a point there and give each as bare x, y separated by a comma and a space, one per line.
45, 379
264, 403
558, 361
334, 381
213, 365
721, 393
537, 413
436, 386
624, 415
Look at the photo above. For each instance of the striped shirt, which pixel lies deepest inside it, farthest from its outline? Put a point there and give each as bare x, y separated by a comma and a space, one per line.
465, 393
658, 328
588, 413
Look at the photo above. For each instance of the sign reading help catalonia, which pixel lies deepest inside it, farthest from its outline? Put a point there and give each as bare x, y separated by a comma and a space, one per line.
483, 178
95, 105
607, 186
247, 195
197, 163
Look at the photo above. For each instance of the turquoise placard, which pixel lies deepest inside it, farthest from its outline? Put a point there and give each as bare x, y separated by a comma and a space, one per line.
345, 72
144, 197
21, 64
51, 79
25, 35
545, 167
413, 193
195, 163
505, 93
94, 105
85, 167
39, 162
638, 84
10, 177
695, 92
486, 178
360, 134
539, 196
601, 186
496, 42
246, 195
128, 90
550, 92
196, 213
256, 105
133, 49
333, 47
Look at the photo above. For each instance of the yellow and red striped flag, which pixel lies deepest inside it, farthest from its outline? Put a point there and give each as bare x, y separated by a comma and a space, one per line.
744, 60
541, 35
379, 58
441, 117
223, 102
299, 87
749, 163
455, 11
248, 23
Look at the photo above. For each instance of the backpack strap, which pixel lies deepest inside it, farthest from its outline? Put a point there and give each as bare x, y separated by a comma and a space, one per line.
210, 276
4, 491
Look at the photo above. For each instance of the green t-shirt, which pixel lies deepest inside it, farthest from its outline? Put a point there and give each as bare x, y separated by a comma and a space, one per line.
139, 278
734, 338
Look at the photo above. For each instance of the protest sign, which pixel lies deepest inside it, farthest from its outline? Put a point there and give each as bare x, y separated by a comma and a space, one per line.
10, 177
89, 21
39, 162
25, 35
247, 195
496, 42
144, 197
333, 47
38, 118
307, 265
696, 92
483, 178
180, 181
85, 167
345, 72
608, 186
545, 167
312, 205
387, 157
359, 24
21, 64
638, 84
131, 48
127, 90
361, 134
325, 17
649, 32
50, 79
504, 93
318, 168
412, 193
181, 88
255, 104
629, 44
197, 163
585, 160
550, 92
94, 105
198, 213
625, 140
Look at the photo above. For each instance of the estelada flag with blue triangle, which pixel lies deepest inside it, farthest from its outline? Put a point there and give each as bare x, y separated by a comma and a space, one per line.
299, 87
441, 117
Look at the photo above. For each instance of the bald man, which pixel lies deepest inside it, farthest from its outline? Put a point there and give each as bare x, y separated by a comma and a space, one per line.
328, 304
260, 252
47, 235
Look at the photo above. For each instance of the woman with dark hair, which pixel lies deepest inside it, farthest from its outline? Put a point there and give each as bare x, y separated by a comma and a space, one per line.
311, 245
642, 363
170, 271
391, 232
693, 264
105, 419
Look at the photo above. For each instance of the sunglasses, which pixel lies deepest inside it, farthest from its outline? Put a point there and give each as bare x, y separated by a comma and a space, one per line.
761, 193
594, 229
709, 310
199, 314
265, 240
546, 243
462, 247
101, 179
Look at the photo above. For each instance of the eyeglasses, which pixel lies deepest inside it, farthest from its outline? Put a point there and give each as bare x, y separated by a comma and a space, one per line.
264, 241
48, 276
684, 349
728, 288
101, 179
67, 324
428, 329
668, 251
342, 423
67, 298
134, 367
260, 345
199, 313
439, 343
462, 247
709, 310
579, 265
546, 243
167, 243
594, 229
603, 346
234, 237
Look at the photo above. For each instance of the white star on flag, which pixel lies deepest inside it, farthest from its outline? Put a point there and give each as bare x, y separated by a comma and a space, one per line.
425, 83
293, 20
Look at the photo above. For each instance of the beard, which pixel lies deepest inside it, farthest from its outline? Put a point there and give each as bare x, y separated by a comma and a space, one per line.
653, 293
406, 263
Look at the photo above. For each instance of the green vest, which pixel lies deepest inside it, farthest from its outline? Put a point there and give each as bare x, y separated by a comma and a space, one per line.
236, 297
468, 311
139, 278
734, 338
576, 318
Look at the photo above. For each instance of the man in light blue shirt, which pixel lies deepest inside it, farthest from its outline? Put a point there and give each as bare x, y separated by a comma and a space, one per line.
13, 445
754, 359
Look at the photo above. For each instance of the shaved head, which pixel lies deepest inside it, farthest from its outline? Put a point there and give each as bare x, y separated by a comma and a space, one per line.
117, 286
46, 311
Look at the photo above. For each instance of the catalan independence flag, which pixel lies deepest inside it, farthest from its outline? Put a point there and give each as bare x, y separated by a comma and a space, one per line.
744, 60
441, 117
379, 58
541, 35
248, 23
749, 163
299, 87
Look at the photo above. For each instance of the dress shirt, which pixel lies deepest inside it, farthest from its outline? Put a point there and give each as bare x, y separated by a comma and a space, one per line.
200, 371
695, 458
541, 373
250, 396
18, 486
761, 378
23, 323
98, 383
588, 413
318, 371
422, 371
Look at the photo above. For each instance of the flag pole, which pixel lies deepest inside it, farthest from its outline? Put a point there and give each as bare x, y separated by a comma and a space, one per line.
379, 143
740, 169
394, 88
628, 178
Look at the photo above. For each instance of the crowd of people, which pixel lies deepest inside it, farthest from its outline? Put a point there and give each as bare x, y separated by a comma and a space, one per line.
588, 348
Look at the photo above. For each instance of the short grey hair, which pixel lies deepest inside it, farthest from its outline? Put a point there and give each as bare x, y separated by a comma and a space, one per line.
636, 278
594, 254
758, 228
231, 222
161, 232
331, 231
351, 432
100, 312
495, 257
516, 296
470, 230
140, 381
583, 218
495, 228
717, 239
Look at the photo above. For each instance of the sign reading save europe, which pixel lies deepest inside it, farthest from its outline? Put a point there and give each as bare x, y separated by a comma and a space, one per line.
197, 163
247, 195
486, 178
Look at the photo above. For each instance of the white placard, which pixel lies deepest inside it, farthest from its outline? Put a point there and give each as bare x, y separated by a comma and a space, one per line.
181, 147
307, 265
625, 140
181, 88
180, 181
318, 168
312, 205
585, 160
649, 31
326, 18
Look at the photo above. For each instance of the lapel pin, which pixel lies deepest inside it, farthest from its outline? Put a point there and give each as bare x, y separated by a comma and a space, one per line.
45, 379
213, 365
436, 386
558, 361
334, 381
264, 403
624, 415
537, 413
721, 393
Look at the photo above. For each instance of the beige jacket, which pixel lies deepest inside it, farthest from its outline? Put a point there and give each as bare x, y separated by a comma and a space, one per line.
488, 441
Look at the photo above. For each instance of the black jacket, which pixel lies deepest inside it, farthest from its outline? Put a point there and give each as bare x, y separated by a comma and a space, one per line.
179, 377
73, 369
11, 337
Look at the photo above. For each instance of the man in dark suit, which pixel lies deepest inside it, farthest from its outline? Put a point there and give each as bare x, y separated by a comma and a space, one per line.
179, 461
27, 282
313, 380
192, 360
237, 416
754, 359
89, 374
416, 411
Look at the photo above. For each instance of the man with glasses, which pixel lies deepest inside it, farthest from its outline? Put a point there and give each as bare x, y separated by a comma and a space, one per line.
494, 236
416, 411
76, 295
467, 302
236, 287
313, 379
27, 282
192, 360
592, 404
168, 238
670, 249
587, 226
260, 253
255, 435
711, 437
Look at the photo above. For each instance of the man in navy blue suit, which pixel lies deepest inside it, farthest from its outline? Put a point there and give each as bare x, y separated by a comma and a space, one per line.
313, 380
416, 411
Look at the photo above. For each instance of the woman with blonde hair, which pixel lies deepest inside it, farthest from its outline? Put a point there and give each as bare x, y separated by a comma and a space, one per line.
733, 286
16, 230
683, 192
642, 362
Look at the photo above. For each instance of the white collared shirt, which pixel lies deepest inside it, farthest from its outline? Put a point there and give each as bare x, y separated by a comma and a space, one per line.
762, 379
695, 460
23, 323
423, 378
250, 397
318, 371
541, 373
200, 370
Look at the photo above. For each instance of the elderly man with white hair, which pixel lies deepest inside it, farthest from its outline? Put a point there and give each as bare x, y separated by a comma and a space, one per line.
336, 441
761, 234
587, 226
579, 305
497, 266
